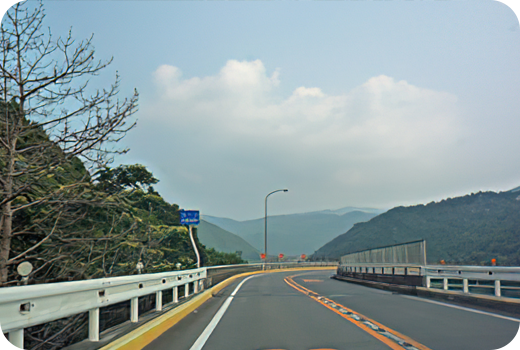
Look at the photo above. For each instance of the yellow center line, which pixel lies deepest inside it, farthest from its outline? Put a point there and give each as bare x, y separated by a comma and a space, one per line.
389, 342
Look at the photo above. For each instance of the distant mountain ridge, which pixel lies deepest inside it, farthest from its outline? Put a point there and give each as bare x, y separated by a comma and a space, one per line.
295, 234
213, 236
516, 189
345, 210
471, 229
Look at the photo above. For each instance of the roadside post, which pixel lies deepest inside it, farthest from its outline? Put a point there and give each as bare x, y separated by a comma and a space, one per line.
265, 223
191, 218
262, 256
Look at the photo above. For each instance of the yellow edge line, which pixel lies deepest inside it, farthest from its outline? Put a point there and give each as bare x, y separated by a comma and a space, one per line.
367, 329
144, 335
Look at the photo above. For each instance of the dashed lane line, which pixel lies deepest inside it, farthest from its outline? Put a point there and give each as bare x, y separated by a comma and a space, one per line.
389, 337
203, 338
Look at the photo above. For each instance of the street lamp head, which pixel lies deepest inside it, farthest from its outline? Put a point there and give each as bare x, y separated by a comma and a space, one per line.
286, 190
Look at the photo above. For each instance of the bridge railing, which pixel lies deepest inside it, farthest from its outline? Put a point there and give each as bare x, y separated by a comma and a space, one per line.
496, 280
26, 306
500, 281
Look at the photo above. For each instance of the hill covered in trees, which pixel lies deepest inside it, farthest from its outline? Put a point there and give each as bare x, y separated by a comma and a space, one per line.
471, 229
224, 241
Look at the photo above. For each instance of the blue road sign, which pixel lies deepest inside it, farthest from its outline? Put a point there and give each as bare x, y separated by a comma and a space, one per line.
189, 217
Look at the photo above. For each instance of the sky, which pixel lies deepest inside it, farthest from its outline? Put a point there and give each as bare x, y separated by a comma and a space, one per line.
345, 103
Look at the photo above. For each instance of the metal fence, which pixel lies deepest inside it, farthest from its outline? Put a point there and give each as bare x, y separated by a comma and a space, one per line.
405, 253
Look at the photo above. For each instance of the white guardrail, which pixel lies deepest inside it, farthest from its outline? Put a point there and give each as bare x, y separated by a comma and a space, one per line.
474, 274
464, 278
26, 306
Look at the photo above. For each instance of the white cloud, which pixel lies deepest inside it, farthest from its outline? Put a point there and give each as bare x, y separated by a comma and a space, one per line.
237, 120
383, 117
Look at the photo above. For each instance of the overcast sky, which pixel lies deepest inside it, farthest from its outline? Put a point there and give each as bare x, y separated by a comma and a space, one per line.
345, 103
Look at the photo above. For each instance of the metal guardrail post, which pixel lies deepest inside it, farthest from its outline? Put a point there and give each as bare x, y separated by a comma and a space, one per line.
158, 300
93, 324
201, 283
186, 290
16, 338
428, 282
445, 283
497, 288
196, 287
134, 310
175, 294
465, 286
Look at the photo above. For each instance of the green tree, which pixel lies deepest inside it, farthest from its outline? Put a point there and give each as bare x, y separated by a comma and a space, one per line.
50, 120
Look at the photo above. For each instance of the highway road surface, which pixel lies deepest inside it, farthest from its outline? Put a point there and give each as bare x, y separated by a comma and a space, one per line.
304, 310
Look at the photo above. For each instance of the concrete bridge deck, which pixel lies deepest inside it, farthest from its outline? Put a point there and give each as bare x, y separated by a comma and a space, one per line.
312, 311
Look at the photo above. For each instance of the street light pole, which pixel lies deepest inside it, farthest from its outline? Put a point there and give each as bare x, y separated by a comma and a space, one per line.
265, 223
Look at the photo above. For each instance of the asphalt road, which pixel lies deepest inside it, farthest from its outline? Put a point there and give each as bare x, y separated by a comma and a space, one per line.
312, 311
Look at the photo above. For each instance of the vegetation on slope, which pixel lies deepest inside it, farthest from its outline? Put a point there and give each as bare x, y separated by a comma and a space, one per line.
224, 241
465, 230
62, 208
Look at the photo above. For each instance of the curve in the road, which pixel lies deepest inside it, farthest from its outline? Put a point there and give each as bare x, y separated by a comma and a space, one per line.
388, 336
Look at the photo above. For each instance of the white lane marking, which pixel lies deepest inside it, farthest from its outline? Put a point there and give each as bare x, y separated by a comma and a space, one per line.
338, 295
203, 338
462, 308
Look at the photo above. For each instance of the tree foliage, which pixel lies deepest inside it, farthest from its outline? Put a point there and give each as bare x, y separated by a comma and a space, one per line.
63, 208
50, 119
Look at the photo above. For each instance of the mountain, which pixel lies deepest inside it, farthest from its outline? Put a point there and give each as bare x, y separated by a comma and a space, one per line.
293, 234
471, 229
213, 236
345, 210
516, 189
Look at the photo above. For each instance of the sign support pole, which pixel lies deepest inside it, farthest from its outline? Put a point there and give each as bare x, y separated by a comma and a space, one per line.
194, 246
190, 218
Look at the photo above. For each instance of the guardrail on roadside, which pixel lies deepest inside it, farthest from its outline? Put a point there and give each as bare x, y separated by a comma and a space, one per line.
26, 306
497, 280
500, 281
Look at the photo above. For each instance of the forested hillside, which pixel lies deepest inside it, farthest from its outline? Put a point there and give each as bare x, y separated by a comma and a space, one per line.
224, 241
63, 209
465, 230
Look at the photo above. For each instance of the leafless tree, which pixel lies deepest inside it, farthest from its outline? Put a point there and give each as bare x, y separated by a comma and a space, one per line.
51, 123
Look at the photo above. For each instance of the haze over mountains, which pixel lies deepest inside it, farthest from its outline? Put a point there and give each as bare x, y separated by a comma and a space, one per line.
295, 234
213, 236
471, 229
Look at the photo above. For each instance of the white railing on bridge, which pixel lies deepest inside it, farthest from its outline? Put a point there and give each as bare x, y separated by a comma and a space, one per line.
465, 274
26, 306
464, 278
